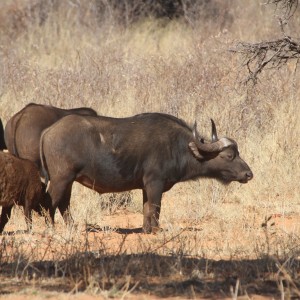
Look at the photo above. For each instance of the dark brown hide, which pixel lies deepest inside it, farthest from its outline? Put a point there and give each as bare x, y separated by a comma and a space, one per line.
150, 152
19, 184
23, 130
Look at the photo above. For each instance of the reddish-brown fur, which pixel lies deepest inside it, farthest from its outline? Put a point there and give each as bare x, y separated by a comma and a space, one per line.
20, 184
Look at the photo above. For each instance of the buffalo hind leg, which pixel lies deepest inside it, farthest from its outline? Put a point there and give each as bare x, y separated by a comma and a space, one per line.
5, 215
151, 206
64, 206
28, 217
60, 193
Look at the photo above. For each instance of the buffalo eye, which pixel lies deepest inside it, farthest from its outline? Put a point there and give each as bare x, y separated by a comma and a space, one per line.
230, 156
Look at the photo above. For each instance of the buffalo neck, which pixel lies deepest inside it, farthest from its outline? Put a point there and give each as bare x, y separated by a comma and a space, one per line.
195, 168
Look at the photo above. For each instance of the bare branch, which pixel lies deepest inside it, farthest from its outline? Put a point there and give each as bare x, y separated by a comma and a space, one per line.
288, 7
266, 55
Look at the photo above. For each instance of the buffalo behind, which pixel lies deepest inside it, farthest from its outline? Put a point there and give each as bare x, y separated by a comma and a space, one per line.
23, 130
150, 151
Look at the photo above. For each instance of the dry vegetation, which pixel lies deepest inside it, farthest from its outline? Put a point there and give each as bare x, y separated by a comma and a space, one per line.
218, 241
273, 54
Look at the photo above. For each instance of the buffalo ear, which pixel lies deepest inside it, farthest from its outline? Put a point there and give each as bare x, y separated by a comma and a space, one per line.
195, 150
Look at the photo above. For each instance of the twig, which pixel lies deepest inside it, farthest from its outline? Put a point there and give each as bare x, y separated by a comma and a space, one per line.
288, 7
268, 54
169, 240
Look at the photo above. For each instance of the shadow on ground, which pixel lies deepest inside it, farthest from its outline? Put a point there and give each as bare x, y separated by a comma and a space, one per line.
153, 274
97, 228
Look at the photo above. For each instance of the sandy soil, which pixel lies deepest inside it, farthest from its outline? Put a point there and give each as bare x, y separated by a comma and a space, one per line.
122, 234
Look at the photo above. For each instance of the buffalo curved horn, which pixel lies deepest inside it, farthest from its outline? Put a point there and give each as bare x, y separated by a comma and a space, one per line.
214, 135
211, 147
195, 132
214, 146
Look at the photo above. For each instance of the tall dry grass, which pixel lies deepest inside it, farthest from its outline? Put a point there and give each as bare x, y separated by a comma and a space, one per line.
72, 58
165, 66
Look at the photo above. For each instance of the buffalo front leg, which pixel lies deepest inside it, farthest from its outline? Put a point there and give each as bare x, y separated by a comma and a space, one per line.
151, 207
5, 215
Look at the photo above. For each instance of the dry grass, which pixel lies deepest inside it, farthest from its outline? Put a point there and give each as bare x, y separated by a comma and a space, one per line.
73, 59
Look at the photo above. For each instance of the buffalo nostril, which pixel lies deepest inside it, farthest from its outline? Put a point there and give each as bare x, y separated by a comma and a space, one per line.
249, 175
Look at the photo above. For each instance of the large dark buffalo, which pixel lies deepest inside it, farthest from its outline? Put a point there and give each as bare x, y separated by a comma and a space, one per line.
23, 130
150, 151
2, 142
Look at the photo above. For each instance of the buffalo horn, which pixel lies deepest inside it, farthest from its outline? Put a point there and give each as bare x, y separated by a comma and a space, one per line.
195, 132
215, 146
210, 147
214, 135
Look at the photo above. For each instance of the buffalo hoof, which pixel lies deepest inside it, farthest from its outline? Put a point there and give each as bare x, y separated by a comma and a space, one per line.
156, 230
153, 230
147, 229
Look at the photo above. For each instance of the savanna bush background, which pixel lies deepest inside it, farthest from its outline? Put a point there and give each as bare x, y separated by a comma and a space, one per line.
127, 57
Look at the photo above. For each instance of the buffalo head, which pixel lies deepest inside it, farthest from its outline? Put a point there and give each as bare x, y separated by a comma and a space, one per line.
220, 158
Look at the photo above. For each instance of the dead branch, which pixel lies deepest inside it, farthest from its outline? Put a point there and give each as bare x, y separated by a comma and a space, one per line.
266, 55
270, 54
287, 7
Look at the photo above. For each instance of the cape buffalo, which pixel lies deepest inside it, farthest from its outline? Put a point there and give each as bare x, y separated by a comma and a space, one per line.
2, 142
20, 184
150, 151
23, 130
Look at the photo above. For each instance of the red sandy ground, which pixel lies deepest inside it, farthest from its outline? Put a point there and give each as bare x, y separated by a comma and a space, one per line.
130, 220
